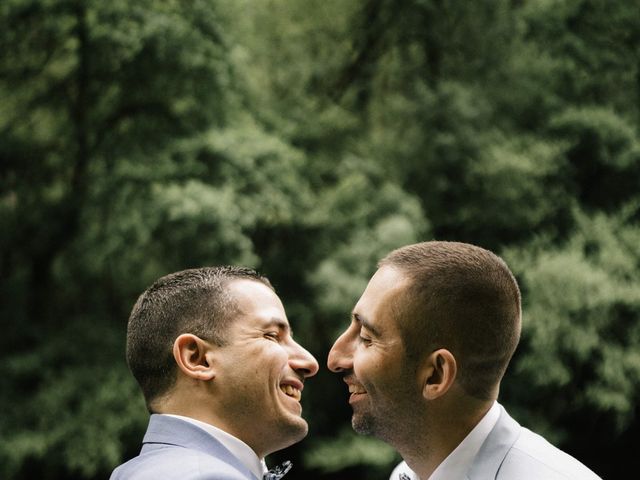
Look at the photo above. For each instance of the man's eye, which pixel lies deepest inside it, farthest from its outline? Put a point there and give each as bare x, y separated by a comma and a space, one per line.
272, 335
364, 340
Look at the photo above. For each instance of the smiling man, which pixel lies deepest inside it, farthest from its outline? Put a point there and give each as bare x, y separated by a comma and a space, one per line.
429, 342
213, 353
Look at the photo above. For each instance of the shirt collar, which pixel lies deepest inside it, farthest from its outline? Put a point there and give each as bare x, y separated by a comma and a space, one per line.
237, 447
457, 464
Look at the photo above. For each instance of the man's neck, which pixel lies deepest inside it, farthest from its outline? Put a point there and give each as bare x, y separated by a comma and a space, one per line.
192, 407
441, 433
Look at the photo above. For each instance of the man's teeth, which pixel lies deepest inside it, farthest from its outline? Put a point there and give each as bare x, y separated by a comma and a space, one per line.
356, 389
291, 391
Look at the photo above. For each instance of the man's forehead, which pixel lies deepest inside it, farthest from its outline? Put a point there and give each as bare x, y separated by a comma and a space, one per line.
380, 305
251, 292
236, 283
386, 284
252, 297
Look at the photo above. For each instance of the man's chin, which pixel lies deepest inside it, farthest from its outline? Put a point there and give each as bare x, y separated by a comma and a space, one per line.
296, 428
362, 424
286, 432
289, 433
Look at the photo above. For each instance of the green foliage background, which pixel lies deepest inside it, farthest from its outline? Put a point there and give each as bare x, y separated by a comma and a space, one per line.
307, 139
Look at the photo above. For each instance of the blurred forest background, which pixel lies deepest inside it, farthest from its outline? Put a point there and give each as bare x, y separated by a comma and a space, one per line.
307, 139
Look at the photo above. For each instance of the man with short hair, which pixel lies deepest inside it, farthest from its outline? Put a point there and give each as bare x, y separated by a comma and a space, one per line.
222, 377
429, 342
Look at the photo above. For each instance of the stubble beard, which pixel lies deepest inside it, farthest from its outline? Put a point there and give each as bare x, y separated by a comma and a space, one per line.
363, 424
368, 423
387, 422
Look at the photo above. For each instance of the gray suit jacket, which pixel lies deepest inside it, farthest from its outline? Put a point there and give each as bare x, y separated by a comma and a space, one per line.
175, 449
512, 452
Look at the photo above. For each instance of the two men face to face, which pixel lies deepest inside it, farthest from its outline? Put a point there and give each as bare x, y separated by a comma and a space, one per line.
264, 368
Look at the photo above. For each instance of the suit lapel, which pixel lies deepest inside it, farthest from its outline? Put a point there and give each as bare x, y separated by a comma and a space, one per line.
495, 448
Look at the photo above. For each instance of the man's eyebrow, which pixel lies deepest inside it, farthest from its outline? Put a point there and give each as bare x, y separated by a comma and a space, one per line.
278, 323
365, 323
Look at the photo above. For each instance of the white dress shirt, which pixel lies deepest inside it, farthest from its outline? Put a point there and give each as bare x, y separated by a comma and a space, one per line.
457, 464
237, 447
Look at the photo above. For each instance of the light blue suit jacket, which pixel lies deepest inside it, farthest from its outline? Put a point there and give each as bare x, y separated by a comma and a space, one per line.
175, 449
512, 452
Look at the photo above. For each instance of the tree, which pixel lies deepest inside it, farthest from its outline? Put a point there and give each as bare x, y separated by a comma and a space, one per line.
307, 139
581, 347
92, 96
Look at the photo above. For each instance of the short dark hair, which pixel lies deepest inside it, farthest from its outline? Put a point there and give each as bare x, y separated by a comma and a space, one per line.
192, 301
463, 298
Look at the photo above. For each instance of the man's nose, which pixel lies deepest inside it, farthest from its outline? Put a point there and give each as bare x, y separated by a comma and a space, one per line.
303, 362
340, 356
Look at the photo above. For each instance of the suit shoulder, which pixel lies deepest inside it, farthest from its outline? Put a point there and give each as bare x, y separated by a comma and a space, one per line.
171, 462
533, 457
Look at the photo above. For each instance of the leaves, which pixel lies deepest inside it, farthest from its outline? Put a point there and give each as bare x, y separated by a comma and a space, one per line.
348, 450
584, 341
308, 139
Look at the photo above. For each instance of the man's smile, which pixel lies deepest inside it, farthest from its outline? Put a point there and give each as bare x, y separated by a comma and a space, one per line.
355, 389
291, 391
292, 388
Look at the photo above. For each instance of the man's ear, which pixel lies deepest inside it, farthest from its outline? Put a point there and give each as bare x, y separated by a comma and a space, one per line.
439, 372
194, 357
